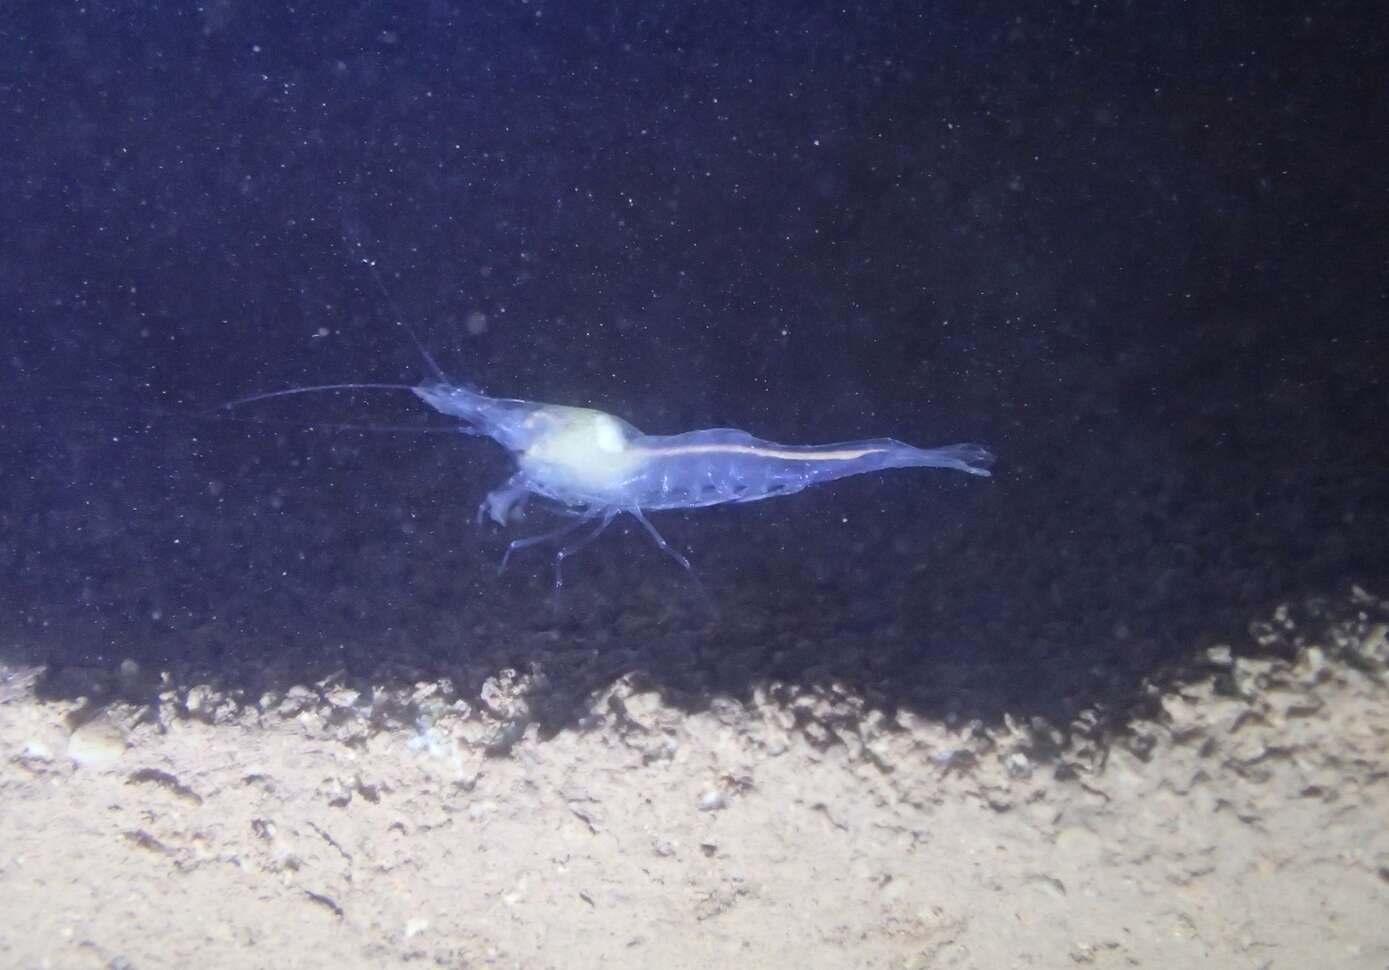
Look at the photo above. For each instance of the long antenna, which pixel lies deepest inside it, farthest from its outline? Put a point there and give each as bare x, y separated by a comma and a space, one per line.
353, 243
267, 395
219, 417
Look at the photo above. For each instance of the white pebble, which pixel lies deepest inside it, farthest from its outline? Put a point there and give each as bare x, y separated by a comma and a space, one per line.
97, 744
711, 801
415, 927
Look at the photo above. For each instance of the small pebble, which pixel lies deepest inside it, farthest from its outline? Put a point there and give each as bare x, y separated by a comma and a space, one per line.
37, 750
415, 927
97, 744
1018, 765
711, 801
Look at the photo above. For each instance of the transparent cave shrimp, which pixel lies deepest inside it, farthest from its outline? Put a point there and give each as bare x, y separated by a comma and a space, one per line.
595, 466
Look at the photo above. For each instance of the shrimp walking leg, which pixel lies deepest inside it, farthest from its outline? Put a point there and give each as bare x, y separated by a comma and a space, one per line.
500, 501
578, 544
660, 541
516, 545
670, 550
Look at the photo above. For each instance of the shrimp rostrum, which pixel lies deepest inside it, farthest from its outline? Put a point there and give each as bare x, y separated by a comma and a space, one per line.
594, 466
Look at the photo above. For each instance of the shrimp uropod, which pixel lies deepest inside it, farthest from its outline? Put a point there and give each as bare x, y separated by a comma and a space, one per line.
595, 466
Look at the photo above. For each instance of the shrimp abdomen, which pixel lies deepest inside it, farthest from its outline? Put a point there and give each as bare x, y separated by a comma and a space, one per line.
720, 465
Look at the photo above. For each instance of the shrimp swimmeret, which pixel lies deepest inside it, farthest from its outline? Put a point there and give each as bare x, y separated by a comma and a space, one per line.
596, 466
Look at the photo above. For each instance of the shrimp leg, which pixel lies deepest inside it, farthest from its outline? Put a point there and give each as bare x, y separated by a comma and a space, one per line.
661, 543
517, 545
500, 501
578, 544
670, 550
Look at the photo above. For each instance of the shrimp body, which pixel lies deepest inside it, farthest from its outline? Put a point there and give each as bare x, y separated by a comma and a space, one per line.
596, 465
720, 465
